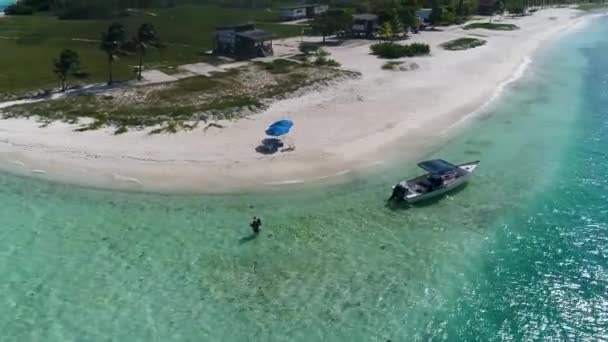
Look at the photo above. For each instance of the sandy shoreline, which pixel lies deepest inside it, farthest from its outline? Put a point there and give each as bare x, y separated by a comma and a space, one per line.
347, 127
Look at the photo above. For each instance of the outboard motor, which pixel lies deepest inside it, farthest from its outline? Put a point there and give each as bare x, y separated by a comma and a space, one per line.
399, 193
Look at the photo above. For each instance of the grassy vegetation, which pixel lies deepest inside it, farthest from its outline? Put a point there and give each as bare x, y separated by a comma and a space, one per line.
400, 66
33, 41
592, 6
279, 66
463, 44
492, 26
181, 105
391, 65
392, 50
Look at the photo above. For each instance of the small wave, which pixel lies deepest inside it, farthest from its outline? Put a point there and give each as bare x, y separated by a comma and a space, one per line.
285, 182
127, 179
374, 163
38, 171
343, 172
519, 72
18, 163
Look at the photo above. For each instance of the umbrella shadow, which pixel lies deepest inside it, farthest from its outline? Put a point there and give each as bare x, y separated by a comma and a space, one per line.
269, 146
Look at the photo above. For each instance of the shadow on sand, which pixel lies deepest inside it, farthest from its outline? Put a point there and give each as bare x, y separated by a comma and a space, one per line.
269, 146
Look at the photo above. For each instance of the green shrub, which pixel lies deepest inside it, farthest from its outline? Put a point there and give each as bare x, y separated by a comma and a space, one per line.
491, 26
322, 53
309, 48
19, 9
517, 10
463, 44
391, 65
279, 66
391, 51
590, 6
324, 61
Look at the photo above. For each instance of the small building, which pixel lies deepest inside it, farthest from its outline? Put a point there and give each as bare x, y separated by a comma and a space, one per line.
424, 15
486, 7
365, 25
242, 41
302, 11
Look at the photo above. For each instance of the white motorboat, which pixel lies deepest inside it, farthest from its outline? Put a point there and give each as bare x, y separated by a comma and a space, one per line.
442, 177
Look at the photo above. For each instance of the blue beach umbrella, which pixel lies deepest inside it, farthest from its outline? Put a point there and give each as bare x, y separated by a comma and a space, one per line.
279, 128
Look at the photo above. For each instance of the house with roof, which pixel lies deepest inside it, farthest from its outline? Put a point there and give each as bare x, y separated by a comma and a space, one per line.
424, 15
365, 25
298, 12
242, 41
486, 7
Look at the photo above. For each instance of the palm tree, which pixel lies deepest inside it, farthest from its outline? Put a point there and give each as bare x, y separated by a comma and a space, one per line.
67, 64
145, 39
112, 43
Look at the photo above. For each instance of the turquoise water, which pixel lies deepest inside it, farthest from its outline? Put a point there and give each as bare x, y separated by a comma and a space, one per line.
5, 3
519, 254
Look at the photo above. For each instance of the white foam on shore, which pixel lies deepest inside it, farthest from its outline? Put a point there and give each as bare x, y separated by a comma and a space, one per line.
127, 179
286, 182
319, 178
580, 23
519, 73
343, 172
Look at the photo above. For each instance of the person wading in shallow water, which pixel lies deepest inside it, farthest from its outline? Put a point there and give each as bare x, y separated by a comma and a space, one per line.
256, 225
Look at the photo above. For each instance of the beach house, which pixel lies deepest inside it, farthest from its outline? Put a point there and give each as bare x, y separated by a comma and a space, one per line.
486, 7
242, 41
365, 25
302, 11
424, 15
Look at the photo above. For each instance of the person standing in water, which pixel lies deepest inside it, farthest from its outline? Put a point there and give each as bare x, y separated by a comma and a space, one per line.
256, 225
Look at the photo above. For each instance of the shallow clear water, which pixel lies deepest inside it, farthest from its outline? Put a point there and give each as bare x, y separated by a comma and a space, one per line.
519, 254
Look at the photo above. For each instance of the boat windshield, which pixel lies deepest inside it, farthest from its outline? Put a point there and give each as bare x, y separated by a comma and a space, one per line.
437, 166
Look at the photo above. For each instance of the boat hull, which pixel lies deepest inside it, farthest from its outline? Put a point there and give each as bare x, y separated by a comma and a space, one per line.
434, 194
411, 195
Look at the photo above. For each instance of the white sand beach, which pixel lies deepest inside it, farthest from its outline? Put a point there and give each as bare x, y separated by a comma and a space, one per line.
350, 125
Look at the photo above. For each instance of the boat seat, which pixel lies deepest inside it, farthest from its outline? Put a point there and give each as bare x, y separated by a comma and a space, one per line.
424, 185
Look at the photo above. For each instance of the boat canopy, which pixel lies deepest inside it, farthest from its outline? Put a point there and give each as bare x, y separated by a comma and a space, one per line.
437, 166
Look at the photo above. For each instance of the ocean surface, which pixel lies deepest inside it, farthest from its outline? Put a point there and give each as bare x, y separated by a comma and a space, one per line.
520, 254
5, 3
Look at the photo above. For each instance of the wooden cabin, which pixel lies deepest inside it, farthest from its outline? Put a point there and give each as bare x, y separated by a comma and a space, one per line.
243, 41
365, 25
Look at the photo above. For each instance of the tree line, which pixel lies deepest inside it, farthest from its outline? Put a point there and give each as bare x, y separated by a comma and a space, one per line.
104, 9
446, 11
397, 16
115, 43
394, 17
86, 9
